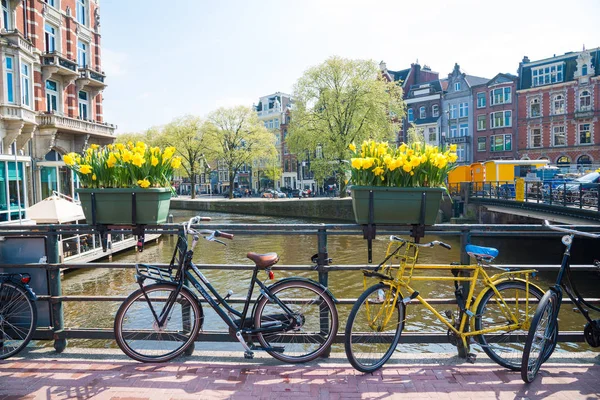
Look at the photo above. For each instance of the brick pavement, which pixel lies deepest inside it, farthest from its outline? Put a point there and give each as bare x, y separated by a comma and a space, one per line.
46, 377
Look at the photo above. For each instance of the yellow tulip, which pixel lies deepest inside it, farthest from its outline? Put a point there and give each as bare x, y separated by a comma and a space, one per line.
69, 159
120, 146
453, 147
378, 171
352, 147
138, 160
127, 156
94, 177
154, 161
112, 160
176, 162
85, 169
94, 147
357, 163
407, 167
144, 183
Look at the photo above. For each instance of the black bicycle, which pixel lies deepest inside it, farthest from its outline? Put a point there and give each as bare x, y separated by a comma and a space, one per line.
294, 320
18, 313
542, 337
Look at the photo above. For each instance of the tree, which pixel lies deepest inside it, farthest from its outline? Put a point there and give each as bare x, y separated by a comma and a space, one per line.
341, 102
238, 137
272, 169
149, 137
188, 138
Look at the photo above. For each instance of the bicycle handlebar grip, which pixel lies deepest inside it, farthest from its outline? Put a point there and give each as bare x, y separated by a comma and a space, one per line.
445, 245
203, 218
224, 235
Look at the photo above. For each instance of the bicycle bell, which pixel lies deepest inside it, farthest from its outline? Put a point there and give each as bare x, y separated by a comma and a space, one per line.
567, 240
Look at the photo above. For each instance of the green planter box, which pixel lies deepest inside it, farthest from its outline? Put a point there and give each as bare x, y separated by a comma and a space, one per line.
396, 206
114, 206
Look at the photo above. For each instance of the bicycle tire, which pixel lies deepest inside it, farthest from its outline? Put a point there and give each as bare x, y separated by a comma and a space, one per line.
319, 338
18, 319
544, 320
505, 347
146, 343
366, 351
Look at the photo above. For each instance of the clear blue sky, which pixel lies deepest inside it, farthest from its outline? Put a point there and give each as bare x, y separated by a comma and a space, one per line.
168, 58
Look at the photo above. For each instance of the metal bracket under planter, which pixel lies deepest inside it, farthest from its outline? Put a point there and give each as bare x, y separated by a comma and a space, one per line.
370, 230
138, 229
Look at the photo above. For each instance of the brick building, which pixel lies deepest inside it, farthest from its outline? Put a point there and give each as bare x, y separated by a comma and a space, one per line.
558, 109
51, 98
423, 108
495, 119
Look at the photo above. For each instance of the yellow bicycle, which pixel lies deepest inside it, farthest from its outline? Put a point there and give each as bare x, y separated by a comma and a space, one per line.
499, 317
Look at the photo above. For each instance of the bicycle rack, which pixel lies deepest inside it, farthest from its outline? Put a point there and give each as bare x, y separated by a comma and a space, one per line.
370, 230
103, 229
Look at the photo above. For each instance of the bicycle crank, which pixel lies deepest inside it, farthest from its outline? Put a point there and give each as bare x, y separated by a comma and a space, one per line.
591, 332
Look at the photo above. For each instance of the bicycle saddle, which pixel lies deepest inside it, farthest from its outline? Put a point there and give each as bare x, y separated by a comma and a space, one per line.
487, 253
263, 260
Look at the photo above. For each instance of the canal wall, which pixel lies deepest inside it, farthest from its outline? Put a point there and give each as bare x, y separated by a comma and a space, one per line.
332, 209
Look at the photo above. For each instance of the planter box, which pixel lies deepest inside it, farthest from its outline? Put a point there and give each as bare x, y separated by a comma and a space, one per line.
395, 206
114, 206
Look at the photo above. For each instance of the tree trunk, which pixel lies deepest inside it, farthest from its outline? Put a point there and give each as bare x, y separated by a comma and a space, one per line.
231, 178
193, 180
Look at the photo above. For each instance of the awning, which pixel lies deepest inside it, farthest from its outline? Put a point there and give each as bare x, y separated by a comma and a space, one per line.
55, 210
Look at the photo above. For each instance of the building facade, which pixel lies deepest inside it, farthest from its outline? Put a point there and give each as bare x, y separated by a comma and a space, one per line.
558, 105
423, 109
51, 98
495, 119
457, 118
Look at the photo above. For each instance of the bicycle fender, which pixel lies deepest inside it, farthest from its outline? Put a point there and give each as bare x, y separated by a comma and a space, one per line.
28, 289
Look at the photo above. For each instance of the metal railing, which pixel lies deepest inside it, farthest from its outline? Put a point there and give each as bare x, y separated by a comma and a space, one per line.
59, 332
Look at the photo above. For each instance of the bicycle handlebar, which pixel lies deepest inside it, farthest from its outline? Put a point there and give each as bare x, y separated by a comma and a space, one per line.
224, 235
430, 244
571, 231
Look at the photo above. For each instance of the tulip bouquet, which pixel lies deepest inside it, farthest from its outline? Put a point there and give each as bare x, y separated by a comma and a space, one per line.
413, 165
124, 166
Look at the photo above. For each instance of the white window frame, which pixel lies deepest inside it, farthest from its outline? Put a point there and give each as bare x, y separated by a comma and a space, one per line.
82, 54
52, 3
501, 95
463, 110
6, 15
432, 134
481, 96
453, 131
435, 110
579, 132
82, 12
50, 38
26, 92
52, 93
463, 130
504, 136
481, 118
532, 137
410, 115
533, 102
461, 152
457, 86
504, 114
453, 111
582, 97
559, 131
422, 112
83, 104
481, 142
560, 109
547, 74
10, 79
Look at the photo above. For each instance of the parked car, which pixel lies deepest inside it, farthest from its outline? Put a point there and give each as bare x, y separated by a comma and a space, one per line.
236, 194
267, 194
279, 195
584, 188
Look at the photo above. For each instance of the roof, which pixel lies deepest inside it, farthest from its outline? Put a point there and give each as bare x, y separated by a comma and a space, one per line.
435, 85
475, 80
428, 120
399, 75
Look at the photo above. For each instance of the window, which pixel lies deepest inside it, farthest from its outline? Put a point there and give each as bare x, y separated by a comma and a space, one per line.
481, 122
584, 70
453, 111
82, 54
422, 113
558, 104
464, 110
270, 124
25, 85
10, 90
460, 152
563, 161
457, 86
535, 137
480, 100
435, 110
51, 96
585, 161
559, 138
481, 144
585, 101
6, 21
500, 96
501, 142
411, 116
535, 108
463, 130
585, 136
453, 131
81, 12
547, 74
50, 38
83, 105
432, 134
277, 123
501, 119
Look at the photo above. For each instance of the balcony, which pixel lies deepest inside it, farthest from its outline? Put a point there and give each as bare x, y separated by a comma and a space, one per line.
17, 39
74, 125
459, 139
584, 113
55, 65
91, 80
14, 112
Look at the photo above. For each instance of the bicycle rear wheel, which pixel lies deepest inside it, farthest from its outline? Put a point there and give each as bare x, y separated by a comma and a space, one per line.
18, 318
315, 313
541, 339
506, 346
137, 332
374, 328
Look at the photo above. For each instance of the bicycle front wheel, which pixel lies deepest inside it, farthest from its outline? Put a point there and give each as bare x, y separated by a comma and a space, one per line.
505, 346
136, 327
541, 339
314, 328
374, 328
18, 318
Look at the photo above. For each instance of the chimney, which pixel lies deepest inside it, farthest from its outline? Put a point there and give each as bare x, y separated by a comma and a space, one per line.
382, 66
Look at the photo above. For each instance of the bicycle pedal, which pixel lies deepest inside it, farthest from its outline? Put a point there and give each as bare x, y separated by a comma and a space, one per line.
576, 310
248, 355
471, 358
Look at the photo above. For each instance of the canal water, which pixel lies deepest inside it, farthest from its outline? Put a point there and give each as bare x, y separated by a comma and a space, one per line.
343, 249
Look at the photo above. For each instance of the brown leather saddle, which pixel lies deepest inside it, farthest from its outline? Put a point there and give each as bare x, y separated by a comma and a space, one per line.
263, 260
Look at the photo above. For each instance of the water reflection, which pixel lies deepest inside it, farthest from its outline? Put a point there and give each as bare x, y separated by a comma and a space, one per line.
298, 250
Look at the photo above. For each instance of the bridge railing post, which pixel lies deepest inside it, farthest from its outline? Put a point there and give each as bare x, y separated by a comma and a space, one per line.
55, 289
322, 267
